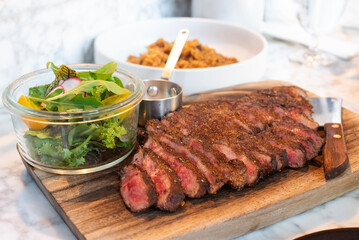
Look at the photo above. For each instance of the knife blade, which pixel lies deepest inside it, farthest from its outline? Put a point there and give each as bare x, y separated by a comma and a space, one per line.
327, 111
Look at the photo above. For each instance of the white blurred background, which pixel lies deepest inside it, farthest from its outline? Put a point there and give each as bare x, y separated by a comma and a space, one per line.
33, 32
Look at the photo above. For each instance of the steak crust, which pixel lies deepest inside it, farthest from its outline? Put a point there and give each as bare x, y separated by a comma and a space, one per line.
238, 142
167, 185
193, 182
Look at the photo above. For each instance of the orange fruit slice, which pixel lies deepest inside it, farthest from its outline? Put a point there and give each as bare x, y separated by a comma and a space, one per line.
117, 98
30, 121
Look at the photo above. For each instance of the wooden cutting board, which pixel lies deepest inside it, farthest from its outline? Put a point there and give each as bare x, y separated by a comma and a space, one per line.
92, 207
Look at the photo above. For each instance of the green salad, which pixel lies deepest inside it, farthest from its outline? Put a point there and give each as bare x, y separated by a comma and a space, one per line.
83, 142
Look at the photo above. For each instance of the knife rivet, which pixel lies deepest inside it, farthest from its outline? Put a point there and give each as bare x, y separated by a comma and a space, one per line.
335, 126
337, 136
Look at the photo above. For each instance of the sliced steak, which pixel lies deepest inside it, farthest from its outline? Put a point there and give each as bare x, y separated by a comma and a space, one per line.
224, 111
168, 187
233, 154
230, 172
194, 184
284, 96
137, 189
298, 117
255, 168
234, 172
213, 176
295, 150
278, 154
239, 141
308, 143
301, 130
224, 140
253, 117
267, 161
291, 95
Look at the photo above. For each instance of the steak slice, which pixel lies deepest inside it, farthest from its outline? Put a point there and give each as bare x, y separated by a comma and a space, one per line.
287, 97
301, 130
234, 155
278, 154
252, 117
295, 150
183, 121
267, 161
221, 137
234, 172
230, 171
213, 176
257, 168
308, 143
300, 118
222, 110
291, 95
137, 189
168, 187
284, 102
194, 184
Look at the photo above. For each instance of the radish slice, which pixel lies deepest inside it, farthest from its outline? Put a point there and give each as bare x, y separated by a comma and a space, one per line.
66, 85
70, 83
53, 90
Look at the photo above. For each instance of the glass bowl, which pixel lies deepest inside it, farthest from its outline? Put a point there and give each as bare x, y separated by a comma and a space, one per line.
77, 142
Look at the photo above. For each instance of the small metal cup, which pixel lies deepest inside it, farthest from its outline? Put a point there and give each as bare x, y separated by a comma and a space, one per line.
161, 97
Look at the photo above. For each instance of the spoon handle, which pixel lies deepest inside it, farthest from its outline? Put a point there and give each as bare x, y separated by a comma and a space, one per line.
175, 53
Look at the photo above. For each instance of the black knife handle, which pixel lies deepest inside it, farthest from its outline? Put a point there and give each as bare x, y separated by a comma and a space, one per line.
334, 151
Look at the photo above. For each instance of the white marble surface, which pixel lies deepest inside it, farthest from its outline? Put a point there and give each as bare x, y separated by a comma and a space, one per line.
25, 213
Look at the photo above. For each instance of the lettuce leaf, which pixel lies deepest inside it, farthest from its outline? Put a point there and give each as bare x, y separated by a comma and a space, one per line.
104, 72
74, 98
50, 151
86, 86
52, 66
38, 91
61, 73
76, 102
110, 132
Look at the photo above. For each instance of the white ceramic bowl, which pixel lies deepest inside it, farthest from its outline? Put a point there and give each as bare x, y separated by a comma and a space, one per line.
230, 40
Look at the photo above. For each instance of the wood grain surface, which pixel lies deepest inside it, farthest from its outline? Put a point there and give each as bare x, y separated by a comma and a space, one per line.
91, 204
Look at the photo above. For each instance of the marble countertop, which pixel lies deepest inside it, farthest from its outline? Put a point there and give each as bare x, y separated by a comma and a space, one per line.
25, 213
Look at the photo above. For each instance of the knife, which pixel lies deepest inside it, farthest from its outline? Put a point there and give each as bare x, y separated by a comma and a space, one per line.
328, 113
